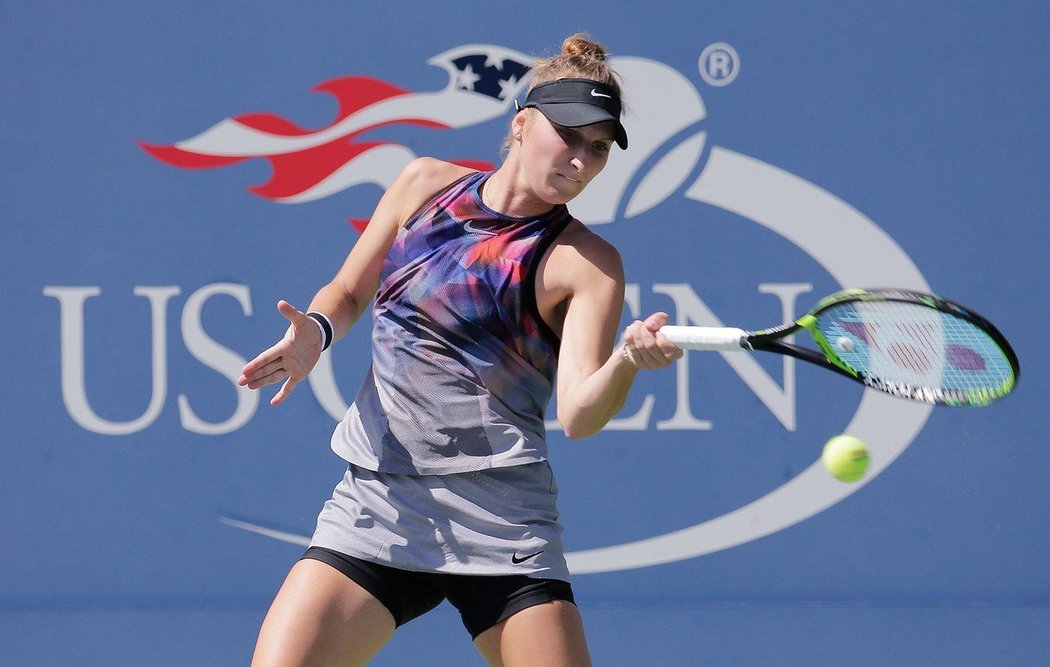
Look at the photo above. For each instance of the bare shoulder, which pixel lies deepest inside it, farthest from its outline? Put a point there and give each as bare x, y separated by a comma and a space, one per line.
582, 272
420, 179
583, 251
580, 262
431, 174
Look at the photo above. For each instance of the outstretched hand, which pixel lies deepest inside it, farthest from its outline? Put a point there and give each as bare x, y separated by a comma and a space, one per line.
291, 359
646, 347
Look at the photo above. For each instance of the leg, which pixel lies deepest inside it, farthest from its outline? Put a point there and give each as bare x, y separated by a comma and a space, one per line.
321, 617
545, 634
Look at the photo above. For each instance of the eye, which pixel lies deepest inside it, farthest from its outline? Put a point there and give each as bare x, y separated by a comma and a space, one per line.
570, 136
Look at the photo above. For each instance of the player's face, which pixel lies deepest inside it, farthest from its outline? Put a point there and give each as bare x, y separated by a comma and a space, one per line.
561, 161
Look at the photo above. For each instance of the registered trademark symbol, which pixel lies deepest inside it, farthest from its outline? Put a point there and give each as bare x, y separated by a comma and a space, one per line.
719, 64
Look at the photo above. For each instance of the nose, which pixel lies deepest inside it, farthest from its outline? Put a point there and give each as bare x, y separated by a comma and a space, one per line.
576, 163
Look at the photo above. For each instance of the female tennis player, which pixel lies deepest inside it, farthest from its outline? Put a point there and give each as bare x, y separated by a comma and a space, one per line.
484, 285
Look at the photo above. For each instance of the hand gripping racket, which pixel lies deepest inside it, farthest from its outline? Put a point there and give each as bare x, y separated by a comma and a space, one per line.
909, 344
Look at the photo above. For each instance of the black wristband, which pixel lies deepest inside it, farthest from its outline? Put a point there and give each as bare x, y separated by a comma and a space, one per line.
326, 328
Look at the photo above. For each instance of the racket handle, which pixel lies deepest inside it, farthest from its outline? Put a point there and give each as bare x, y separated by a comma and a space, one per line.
705, 338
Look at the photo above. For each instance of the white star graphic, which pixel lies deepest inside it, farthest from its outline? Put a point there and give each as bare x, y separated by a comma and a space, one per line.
466, 78
507, 87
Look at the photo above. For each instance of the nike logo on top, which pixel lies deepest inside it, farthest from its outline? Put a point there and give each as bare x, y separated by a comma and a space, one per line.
469, 226
522, 559
595, 93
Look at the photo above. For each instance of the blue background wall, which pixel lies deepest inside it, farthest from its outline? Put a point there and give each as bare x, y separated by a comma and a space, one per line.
923, 125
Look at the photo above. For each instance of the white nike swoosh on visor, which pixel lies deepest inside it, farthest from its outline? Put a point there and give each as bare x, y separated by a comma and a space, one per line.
595, 93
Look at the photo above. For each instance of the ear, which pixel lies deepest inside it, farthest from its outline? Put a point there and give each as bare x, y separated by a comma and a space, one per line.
517, 124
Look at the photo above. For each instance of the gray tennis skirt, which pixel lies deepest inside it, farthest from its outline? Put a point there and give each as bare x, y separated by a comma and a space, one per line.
491, 522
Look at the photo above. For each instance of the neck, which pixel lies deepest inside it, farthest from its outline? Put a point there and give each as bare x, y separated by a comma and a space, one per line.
506, 191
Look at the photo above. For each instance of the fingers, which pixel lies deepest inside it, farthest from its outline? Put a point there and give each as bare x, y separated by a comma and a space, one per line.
268, 361
271, 373
646, 347
287, 310
303, 330
270, 367
295, 316
286, 390
284, 361
261, 376
655, 321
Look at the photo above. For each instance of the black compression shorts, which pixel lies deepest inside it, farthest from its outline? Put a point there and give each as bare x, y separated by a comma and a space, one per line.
482, 601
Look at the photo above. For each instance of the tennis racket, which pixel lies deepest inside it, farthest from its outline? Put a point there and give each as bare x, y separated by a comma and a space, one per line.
912, 345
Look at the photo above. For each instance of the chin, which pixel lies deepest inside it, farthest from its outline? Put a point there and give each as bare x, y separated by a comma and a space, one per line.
564, 192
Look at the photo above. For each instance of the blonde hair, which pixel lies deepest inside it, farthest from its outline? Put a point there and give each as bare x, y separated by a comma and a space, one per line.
580, 58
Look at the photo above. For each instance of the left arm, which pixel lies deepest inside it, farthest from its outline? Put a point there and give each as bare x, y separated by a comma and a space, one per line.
583, 278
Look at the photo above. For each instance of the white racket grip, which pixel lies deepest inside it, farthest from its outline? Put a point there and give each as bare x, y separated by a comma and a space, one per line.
726, 339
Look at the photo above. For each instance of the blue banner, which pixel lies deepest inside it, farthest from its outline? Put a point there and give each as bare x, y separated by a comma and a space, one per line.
172, 171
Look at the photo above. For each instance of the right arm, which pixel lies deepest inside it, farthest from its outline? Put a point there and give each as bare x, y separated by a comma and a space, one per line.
344, 299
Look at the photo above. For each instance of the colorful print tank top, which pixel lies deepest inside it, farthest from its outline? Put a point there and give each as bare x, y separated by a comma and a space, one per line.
462, 364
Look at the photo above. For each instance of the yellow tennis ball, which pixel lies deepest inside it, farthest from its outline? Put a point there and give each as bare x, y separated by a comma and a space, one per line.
846, 458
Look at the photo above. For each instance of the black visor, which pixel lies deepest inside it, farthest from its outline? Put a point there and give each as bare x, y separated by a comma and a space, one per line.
578, 102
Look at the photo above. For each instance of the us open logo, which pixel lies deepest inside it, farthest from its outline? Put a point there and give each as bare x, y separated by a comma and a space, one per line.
671, 155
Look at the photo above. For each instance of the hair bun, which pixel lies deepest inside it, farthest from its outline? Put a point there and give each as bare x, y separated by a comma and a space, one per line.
580, 45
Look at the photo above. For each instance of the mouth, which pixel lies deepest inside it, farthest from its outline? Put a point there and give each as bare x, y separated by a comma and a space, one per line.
569, 178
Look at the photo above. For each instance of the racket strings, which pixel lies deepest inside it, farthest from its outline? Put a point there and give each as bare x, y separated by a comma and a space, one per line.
916, 346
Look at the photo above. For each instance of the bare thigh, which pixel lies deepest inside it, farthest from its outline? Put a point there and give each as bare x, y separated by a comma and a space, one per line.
321, 617
548, 634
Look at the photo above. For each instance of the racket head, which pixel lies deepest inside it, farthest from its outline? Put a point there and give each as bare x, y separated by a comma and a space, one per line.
914, 345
